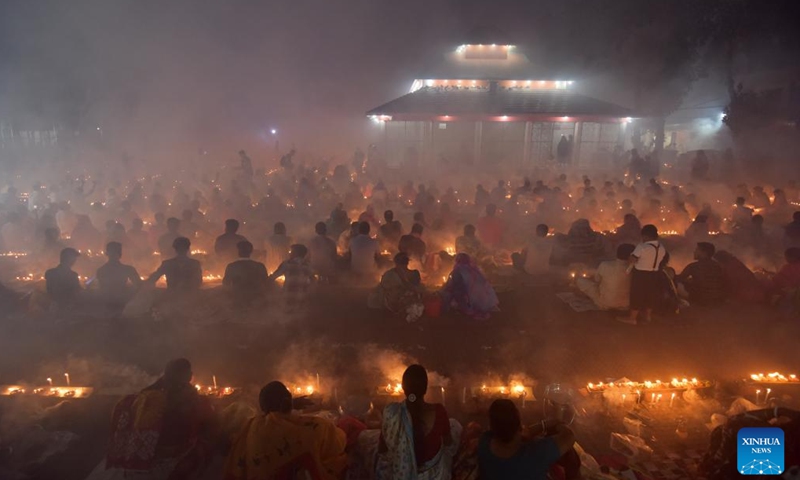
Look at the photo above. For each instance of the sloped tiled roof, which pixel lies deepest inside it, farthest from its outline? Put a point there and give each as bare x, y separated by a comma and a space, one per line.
439, 101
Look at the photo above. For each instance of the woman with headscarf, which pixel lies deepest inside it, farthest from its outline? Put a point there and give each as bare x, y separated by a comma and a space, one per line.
741, 283
468, 290
417, 439
584, 245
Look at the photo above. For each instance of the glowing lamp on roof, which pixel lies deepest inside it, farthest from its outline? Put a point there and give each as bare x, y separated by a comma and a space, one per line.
273, 131
627, 119
504, 117
564, 118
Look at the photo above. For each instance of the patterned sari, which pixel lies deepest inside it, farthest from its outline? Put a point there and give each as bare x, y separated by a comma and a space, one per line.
469, 289
158, 433
400, 462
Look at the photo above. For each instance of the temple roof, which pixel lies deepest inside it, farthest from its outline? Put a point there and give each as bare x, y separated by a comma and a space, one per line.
511, 102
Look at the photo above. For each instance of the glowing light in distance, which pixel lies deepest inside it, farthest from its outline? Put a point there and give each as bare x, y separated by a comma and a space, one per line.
273, 131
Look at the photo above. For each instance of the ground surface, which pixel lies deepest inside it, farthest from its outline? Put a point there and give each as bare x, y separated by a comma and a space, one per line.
335, 335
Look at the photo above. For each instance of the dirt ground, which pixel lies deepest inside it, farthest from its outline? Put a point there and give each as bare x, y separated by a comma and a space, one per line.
535, 335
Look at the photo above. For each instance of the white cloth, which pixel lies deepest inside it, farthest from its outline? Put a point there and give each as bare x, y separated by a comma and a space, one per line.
611, 288
649, 255
538, 252
362, 254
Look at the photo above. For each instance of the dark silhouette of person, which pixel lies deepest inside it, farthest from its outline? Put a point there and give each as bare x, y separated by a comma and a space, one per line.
183, 274
246, 164
167, 240
116, 280
63, 285
412, 244
391, 231
227, 245
245, 277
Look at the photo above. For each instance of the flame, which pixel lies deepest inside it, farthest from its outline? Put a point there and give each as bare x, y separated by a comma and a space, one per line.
451, 250
198, 252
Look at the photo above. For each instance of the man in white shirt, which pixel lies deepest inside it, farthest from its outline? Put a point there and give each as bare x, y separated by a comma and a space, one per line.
538, 251
611, 287
364, 252
648, 260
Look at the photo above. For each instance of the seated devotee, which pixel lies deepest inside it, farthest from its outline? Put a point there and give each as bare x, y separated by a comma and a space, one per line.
630, 231
390, 232
52, 246
704, 279
338, 221
364, 252
184, 274
277, 245
226, 245
741, 213
468, 290
417, 440
166, 240
63, 285
491, 228
611, 287
537, 252
510, 452
413, 245
698, 231
116, 281
792, 231
296, 272
85, 235
166, 431
469, 243
581, 244
400, 290
741, 284
279, 444
246, 278
343, 242
759, 199
322, 250
788, 277
753, 235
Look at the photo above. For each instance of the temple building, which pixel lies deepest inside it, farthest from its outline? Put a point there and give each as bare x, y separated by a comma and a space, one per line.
486, 104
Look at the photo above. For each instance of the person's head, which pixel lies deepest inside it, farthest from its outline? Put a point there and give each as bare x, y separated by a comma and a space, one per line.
114, 250
68, 256
649, 233
541, 230
363, 228
630, 219
244, 248
279, 229
231, 225
792, 255
624, 251
739, 201
388, 215
491, 209
501, 183
704, 251
627, 204
469, 230
178, 372
701, 219
321, 228
181, 245
401, 260
757, 220
173, 224
298, 251
275, 397
416, 229
504, 420
415, 383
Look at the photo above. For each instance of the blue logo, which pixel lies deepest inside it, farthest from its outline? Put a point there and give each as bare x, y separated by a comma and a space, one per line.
760, 451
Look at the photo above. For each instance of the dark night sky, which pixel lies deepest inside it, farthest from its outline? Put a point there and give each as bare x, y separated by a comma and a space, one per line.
193, 69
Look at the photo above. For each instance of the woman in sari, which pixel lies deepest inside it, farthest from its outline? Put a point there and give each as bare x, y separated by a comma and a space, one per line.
164, 432
280, 445
469, 290
400, 290
417, 440
741, 283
